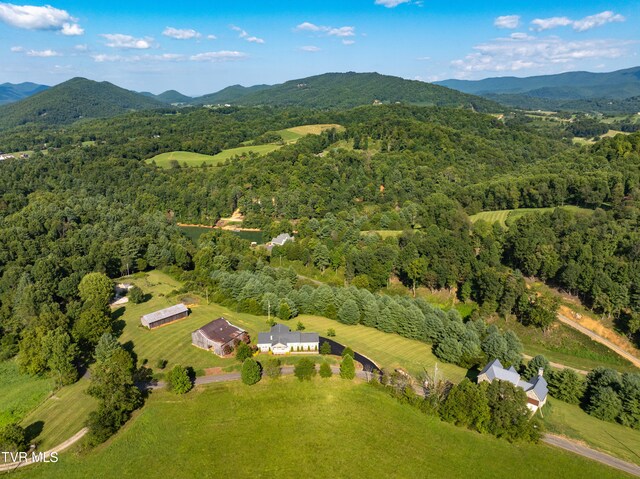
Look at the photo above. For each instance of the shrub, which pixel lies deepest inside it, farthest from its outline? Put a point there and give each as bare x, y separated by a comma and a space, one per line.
136, 295
305, 369
251, 372
325, 370
161, 363
325, 348
178, 380
13, 438
243, 351
272, 368
347, 368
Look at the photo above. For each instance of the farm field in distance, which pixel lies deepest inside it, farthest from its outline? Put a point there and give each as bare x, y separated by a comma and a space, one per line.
289, 135
505, 216
314, 421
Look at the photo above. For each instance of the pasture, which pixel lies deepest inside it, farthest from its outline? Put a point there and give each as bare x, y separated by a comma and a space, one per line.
164, 160
20, 393
571, 421
504, 217
320, 428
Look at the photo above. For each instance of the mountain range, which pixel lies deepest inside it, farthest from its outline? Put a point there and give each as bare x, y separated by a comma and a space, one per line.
11, 92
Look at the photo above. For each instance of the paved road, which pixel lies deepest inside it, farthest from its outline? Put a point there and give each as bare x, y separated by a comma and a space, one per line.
596, 337
560, 366
563, 443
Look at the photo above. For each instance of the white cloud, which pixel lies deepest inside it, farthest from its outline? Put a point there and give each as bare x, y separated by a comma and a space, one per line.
507, 21
348, 42
221, 56
118, 40
584, 24
31, 17
326, 30
243, 34
102, 58
81, 48
597, 20
423, 59
211, 37
17, 49
391, 3
523, 52
43, 53
72, 30
310, 48
181, 34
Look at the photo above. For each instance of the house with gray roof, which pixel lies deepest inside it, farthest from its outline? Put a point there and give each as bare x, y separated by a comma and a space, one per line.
165, 316
281, 340
535, 389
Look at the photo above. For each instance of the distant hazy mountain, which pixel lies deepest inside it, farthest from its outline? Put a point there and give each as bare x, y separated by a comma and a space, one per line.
72, 100
347, 90
10, 92
172, 96
564, 86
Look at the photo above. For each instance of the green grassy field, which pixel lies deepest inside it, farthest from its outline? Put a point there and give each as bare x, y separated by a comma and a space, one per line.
504, 217
321, 428
19, 393
383, 233
173, 341
565, 345
163, 160
571, 421
61, 416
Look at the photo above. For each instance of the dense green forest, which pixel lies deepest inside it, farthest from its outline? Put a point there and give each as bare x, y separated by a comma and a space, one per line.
86, 203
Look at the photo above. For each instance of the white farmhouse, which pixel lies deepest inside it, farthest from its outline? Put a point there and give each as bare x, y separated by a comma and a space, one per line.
536, 388
281, 340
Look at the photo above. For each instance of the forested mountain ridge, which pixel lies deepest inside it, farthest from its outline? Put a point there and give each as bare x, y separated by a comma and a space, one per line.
10, 92
72, 100
567, 86
348, 90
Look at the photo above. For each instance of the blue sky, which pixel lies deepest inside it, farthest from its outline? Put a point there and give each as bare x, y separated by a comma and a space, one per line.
199, 47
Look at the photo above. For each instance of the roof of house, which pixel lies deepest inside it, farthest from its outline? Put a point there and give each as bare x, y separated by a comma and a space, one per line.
221, 331
282, 239
164, 313
537, 384
279, 333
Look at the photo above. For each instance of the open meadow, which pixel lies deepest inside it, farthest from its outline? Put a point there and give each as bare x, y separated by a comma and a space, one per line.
504, 217
287, 428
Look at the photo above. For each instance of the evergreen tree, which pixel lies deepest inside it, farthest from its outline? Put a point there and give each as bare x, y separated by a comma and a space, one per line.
325, 370
325, 348
347, 367
251, 372
566, 385
243, 351
349, 312
178, 380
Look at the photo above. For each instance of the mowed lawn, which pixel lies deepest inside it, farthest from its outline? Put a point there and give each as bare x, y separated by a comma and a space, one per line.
173, 341
571, 421
163, 160
317, 429
61, 416
20, 393
504, 216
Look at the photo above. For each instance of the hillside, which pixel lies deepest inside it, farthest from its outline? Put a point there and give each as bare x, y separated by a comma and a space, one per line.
323, 426
11, 92
230, 94
73, 100
173, 96
567, 86
348, 90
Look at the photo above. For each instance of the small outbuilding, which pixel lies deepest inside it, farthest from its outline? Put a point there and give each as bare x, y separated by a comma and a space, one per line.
165, 316
219, 336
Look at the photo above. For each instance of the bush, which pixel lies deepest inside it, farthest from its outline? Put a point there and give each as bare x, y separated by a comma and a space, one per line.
161, 363
300, 326
325, 348
347, 368
136, 296
331, 333
178, 380
251, 372
347, 352
13, 438
272, 368
243, 352
325, 370
305, 369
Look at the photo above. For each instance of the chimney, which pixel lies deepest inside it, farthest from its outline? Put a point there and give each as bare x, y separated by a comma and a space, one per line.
540, 372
